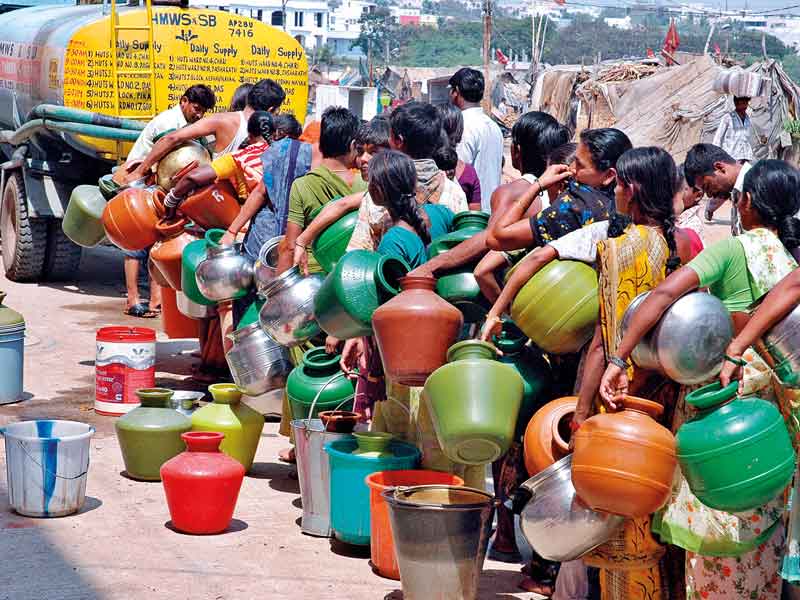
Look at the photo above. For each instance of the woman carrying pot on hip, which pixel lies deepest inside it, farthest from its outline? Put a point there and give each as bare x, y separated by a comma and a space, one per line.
739, 271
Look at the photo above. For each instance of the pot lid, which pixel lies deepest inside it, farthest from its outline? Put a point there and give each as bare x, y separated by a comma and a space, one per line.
8, 316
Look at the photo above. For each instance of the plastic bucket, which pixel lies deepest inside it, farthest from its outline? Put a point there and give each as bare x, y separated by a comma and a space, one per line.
47, 463
313, 471
125, 362
440, 534
384, 559
350, 516
12, 352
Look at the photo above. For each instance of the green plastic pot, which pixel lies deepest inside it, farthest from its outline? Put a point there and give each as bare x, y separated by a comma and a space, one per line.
358, 284
474, 402
462, 291
150, 434
531, 365
735, 454
250, 315
193, 254
465, 225
331, 244
318, 373
227, 414
83, 223
558, 307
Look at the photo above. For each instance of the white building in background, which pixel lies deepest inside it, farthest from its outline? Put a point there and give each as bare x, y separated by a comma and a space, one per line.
619, 23
306, 20
345, 28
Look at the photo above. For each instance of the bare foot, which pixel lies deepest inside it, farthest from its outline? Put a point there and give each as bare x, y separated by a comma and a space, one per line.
287, 455
533, 586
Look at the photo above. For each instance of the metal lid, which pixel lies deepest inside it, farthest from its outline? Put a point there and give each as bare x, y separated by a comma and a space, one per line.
9, 318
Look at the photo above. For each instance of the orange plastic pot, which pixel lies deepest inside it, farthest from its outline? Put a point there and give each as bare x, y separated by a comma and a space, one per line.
130, 217
384, 559
213, 207
624, 462
547, 435
176, 324
166, 253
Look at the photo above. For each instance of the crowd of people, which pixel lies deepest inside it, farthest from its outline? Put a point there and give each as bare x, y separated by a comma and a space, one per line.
631, 213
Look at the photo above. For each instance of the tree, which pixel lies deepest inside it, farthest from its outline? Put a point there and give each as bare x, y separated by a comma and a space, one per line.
377, 28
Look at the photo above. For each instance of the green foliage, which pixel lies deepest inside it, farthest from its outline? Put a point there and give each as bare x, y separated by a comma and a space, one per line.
792, 126
459, 43
377, 27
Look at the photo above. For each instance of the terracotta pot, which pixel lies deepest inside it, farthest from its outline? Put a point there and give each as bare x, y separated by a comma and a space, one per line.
130, 218
213, 207
547, 436
339, 421
166, 253
414, 330
624, 462
202, 485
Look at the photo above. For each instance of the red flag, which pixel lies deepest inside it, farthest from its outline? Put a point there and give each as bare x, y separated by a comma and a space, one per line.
501, 58
717, 50
672, 41
561, 2
650, 53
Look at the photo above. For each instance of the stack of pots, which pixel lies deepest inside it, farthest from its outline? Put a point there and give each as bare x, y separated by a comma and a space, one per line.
459, 286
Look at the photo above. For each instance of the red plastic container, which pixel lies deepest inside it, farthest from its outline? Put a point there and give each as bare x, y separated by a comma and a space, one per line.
384, 559
176, 324
125, 362
202, 484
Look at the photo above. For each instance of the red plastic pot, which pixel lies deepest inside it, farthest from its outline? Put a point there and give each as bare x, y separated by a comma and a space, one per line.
202, 484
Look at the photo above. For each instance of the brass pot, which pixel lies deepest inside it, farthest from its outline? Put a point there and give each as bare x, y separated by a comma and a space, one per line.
180, 157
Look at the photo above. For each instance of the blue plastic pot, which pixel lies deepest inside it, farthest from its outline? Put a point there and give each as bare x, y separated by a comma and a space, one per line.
350, 513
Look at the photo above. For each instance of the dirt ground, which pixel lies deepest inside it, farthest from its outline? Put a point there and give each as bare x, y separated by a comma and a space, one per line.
120, 544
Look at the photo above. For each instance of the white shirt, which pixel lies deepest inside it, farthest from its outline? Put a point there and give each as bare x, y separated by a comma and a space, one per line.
738, 187
172, 118
482, 147
733, 136
581, 244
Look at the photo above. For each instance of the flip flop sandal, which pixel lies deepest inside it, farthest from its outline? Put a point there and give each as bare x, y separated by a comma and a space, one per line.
141, 311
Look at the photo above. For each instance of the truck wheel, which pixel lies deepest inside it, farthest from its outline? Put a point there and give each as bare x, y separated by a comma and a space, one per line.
63, 256
24, 239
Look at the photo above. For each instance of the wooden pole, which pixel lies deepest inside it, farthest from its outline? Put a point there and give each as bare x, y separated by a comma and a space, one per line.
487, 37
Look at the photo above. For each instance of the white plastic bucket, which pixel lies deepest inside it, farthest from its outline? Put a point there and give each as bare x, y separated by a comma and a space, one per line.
47, 463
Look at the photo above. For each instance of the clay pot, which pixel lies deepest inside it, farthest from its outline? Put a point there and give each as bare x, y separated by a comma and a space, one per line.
213, 207
414, 330
202, 485
548, 434
339, 421
166, 253
624, 462
130, 217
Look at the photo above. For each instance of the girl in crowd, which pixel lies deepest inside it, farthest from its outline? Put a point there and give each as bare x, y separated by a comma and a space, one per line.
739, 271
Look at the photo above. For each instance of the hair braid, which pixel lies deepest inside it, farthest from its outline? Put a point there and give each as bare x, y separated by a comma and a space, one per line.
410, 212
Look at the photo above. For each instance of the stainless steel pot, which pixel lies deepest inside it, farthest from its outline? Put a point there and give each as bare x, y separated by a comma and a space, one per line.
258, 364
288, 312
180, 157
689, 341
555, 522
644, 354
780, 348
192, 309
225, 274
266, 265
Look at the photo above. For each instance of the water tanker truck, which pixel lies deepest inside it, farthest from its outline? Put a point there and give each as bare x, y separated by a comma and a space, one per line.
78, 83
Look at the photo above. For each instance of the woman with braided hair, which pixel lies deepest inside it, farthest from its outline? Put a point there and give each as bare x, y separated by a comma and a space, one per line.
392, 185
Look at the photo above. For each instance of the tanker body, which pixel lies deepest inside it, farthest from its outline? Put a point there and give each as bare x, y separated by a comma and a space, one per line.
66, 117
